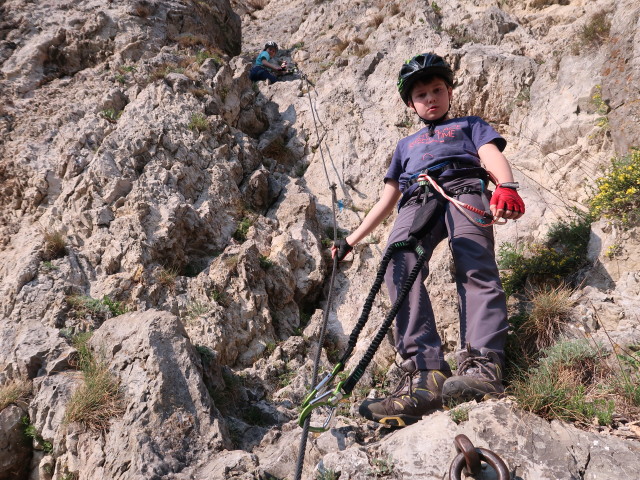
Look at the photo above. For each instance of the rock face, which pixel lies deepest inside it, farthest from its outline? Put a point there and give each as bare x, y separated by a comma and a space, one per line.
151, 194
15, 452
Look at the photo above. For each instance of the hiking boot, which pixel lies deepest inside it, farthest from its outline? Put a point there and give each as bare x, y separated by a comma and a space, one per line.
479, 376
418, 393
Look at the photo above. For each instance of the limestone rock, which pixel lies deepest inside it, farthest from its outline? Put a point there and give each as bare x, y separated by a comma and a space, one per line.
15, 451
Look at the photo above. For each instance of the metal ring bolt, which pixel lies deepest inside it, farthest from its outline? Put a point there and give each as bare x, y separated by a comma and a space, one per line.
469, 459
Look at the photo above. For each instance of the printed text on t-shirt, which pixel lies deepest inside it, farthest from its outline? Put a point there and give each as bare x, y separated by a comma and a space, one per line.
440, 136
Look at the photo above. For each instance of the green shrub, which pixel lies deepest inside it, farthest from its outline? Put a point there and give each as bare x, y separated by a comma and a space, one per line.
83, 306
602, 108
116, 308
618, 191
230, 395
555, 261
243, 228
265, 262
202, 55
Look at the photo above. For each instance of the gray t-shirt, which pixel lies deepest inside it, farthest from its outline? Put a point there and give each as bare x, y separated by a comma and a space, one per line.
454, 140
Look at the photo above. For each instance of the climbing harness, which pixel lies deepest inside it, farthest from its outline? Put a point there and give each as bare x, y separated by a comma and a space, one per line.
469, 458
485, 219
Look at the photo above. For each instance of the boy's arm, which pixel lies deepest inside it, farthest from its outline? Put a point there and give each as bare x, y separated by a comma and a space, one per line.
271, 65
512, 206
380, 211
495, 162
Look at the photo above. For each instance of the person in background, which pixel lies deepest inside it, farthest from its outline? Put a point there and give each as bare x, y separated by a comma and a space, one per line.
264, 66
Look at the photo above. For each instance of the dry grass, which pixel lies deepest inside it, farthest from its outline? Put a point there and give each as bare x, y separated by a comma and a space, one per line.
340, 47
167, 276
376, 20
99, 398
257, 4
55, 245
550, 313
13, 392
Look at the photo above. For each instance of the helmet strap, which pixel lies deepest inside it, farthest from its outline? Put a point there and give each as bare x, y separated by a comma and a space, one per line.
431, 124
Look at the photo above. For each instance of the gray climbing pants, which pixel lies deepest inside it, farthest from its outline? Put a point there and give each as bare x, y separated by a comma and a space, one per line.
481, 299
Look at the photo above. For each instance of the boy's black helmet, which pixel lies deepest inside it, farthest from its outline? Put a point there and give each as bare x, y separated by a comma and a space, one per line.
419, 67
270, 45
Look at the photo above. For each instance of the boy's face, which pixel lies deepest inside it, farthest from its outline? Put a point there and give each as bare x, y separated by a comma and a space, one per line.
431, 99
272, 52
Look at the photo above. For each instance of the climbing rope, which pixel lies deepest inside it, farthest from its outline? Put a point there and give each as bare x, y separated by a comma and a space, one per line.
325, 319
485, 219
323, 395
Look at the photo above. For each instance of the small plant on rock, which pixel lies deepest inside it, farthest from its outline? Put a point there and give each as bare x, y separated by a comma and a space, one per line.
602, 108
111, 115
196, 309
550, 312
31, 432
618, 191
14, 391
382, 467
323, 474
167, 276
198, 123
99, 398
596, 31
55, 245
459, 415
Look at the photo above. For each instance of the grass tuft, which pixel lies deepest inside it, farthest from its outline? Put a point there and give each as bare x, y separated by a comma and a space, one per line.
566, 385
14, 391
55, 245
550, 312
99, 398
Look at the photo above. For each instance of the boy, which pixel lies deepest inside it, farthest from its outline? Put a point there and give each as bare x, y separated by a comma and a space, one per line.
260, 69
452, 151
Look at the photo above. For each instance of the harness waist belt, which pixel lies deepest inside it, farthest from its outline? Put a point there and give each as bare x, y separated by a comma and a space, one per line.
439, 169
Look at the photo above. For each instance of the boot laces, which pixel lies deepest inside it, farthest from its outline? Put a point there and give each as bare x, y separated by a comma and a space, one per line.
477, 365
405, 386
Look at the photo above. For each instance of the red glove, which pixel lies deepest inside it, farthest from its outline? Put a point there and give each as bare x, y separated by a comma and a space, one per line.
505, 198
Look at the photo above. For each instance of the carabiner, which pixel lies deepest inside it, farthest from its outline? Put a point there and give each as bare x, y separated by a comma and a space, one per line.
329, 399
